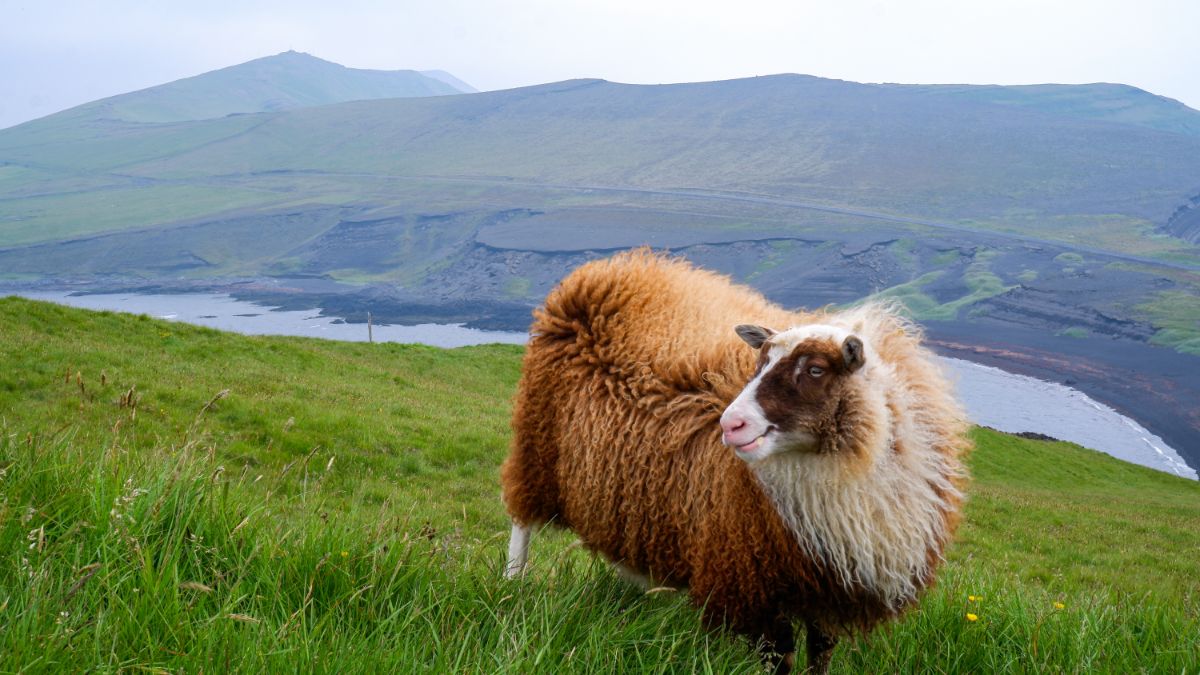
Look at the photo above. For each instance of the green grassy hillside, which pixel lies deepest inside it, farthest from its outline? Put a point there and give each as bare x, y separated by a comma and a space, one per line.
175, 498
1101, 101
1021, 161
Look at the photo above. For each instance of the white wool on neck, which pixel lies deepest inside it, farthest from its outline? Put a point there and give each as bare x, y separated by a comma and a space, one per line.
873, 526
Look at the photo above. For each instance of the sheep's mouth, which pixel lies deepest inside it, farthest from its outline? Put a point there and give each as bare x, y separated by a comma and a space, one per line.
749, 448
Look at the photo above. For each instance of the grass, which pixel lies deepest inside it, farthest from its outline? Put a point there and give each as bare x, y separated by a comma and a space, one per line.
178, 499
517, 287
1073, 259
945, 258
1176, 315
978, 278
775, 255
904, 250
918, 303
42, 218
1109, 232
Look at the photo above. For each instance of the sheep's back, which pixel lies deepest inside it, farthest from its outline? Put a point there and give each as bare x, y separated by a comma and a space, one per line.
639, 318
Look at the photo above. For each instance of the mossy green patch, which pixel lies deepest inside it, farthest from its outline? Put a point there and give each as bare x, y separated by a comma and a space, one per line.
517, 287
944, 258
978, 277
775, 255
1176, 315
1075, 332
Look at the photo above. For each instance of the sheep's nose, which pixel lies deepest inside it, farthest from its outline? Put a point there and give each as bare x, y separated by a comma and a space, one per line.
730, 424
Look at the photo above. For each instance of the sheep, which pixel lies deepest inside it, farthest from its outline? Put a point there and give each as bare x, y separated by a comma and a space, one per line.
816, 475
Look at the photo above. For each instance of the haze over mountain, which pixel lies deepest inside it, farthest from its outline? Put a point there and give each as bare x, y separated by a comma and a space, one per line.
273, 83
450, 80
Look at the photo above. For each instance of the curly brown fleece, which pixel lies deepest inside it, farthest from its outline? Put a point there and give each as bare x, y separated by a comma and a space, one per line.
616, 436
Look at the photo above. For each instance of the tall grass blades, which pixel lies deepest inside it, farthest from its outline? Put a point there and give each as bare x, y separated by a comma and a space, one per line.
211, 502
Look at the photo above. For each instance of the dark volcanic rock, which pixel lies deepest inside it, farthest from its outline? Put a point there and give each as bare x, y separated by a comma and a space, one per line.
1033, 435
1054, 311
1185, 222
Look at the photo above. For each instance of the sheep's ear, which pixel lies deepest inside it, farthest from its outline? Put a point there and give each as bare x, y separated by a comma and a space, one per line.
852, 353
754, 336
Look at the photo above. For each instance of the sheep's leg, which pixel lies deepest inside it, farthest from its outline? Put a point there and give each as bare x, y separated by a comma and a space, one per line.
779, 646
820, 648
642, 581
518, 550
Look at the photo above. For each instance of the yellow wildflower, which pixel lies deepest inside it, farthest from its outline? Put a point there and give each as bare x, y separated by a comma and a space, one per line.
345, 554
972, 617
971, 598
1059, 605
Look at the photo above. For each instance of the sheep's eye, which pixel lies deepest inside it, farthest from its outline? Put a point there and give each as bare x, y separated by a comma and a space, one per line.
816, 371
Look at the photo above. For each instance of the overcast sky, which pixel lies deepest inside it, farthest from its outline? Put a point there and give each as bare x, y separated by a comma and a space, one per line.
59, 53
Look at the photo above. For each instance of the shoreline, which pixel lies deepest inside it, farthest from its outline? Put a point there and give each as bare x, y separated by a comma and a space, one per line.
1148, 384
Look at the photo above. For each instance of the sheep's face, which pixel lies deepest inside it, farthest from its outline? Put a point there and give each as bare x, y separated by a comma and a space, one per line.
792, 403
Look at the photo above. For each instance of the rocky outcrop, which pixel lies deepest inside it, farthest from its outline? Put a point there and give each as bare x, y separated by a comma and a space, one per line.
1185, 222
1053, 310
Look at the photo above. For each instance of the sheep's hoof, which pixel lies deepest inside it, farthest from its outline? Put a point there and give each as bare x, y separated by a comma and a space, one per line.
784, 664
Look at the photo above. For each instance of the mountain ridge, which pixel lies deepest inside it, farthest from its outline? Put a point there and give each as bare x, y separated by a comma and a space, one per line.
283, 81
919, 151
1108, 101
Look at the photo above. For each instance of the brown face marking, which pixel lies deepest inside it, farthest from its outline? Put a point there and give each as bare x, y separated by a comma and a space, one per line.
763, 357
791, 397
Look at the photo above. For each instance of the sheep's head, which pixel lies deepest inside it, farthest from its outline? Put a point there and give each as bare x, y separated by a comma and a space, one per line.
806, 380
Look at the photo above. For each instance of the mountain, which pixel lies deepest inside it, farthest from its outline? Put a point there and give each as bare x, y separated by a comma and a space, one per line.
1041, 167
789, 136
281, 82
451, 80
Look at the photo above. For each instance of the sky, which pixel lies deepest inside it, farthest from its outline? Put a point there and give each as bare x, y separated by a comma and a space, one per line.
54, 55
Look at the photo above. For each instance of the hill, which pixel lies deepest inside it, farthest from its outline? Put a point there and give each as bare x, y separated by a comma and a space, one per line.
1039, 167
186, 499
285, 81
1101, 101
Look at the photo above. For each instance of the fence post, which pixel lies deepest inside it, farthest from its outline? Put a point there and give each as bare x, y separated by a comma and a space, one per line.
370, 332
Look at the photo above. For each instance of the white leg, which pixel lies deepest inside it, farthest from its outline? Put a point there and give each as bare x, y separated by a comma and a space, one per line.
638, 579
518, 550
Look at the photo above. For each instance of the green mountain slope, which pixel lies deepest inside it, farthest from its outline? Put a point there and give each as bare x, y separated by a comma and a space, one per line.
179, 498
1102, 101
1043, 169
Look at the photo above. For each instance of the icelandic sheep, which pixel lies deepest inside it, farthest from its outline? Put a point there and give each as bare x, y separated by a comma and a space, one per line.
814, 475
